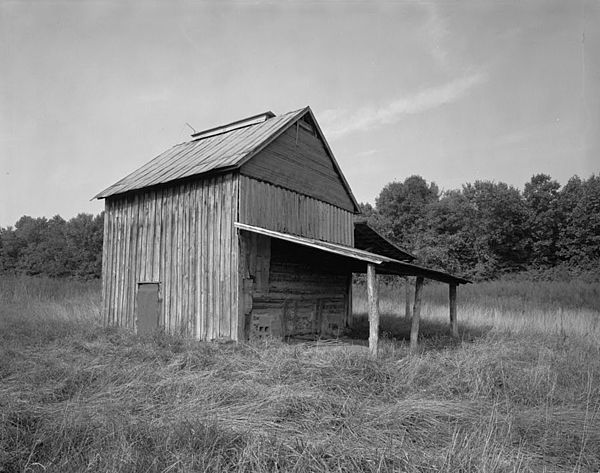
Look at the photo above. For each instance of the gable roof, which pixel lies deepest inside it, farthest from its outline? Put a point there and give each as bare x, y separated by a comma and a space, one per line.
218, 152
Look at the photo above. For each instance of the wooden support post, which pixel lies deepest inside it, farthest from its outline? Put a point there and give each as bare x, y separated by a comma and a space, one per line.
414, 330
407, 292
452, 302
373, 299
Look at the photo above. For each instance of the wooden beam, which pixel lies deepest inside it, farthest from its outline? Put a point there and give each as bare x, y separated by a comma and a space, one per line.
407, 293
373, 299
414, 330
452, 302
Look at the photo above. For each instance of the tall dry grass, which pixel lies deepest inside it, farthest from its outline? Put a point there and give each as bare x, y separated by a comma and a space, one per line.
559, 308
81, 397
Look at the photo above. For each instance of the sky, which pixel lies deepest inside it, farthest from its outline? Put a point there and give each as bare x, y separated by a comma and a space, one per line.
454, 91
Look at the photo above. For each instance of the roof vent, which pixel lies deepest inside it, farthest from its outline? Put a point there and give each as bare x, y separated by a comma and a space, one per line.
243, 123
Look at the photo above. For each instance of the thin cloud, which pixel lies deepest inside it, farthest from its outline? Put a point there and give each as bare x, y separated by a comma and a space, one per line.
437, 31
339, 122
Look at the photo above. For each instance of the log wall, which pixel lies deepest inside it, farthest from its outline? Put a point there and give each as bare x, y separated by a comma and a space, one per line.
301, 291
183, 238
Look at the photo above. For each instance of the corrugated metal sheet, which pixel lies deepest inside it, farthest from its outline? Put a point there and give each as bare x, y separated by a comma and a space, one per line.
386, 265
200, 156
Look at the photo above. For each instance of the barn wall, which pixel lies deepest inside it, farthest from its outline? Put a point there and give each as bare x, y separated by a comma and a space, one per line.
275, 208
292, 290
182, 237
298, 160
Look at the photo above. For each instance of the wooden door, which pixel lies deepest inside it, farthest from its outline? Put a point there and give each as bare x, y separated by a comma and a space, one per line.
148, 308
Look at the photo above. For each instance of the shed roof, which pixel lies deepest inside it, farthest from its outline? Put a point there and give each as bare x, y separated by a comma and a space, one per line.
228, 148
385, 264
366, 238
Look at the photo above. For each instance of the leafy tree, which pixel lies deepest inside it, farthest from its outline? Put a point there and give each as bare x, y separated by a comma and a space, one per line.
53, 251
501, 217
451, 242
579, 242
10, 248
541, 195
403, 206
31, 233
568, 199
487, 228
55, 247
84, 242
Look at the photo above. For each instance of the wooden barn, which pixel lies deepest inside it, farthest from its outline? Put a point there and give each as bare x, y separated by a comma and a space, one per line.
248, 230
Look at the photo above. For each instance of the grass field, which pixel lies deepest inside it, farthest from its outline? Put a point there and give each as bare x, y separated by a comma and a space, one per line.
519, 392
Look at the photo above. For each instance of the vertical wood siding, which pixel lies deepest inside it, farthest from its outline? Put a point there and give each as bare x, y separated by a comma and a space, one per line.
298, 160
182, 237
275, 208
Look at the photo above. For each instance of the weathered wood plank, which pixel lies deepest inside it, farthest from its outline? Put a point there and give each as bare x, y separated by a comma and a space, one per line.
200, 269
224, 269
416, 316
211, 309
150, 236
373, 303
184, 261
105, 273
156, 255
167, 270
119, 266
110, 288
194, 239
180, 250
161, 276
233, 261
217, 261
182, 237
126, 294
205, 259
143, 250
176, 269
305, 167
114, 264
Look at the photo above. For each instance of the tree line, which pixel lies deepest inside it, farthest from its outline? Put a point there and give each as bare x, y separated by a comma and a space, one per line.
482, 231
53, 247
488, 229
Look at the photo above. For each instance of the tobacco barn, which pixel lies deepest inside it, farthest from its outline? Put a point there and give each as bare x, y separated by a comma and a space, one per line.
248, 230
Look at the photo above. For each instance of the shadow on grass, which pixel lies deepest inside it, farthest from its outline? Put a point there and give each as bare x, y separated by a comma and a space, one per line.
432, 333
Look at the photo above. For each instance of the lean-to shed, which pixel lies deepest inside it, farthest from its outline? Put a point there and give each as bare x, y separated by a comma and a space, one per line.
245, 231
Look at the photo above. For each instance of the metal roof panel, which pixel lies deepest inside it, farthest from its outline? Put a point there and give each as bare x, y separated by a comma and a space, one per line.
202, 155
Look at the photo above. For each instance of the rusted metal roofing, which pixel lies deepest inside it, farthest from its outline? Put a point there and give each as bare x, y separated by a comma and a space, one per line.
366, 238
223, 151
385, 264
